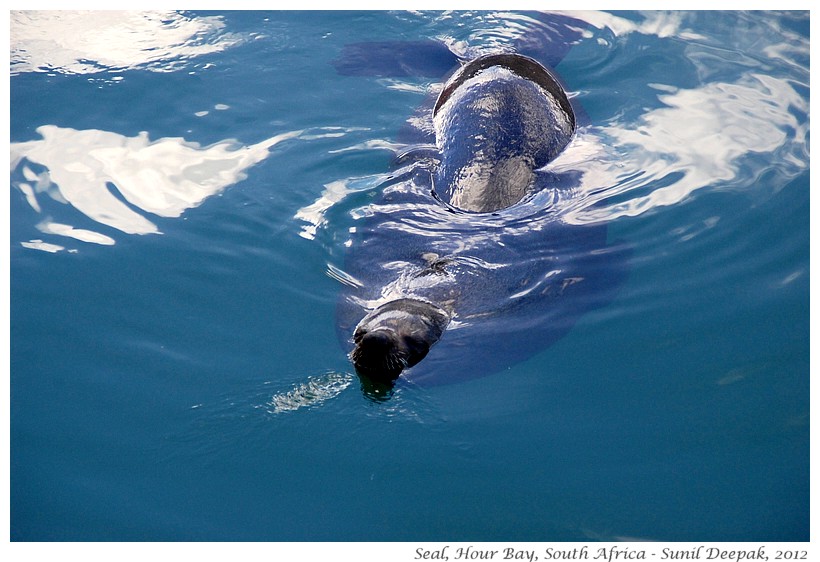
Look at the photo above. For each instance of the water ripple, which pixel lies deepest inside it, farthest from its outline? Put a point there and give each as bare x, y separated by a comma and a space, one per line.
701, 137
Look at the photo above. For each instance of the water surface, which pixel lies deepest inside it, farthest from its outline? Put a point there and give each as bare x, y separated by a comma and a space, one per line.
182, 189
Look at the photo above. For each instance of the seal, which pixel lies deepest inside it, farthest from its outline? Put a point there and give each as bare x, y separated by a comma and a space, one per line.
497, 120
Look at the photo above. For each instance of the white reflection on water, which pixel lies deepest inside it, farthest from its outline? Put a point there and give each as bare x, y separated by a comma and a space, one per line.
164, 177
81, 42
702, 137
49, 227
42, 246
658, 23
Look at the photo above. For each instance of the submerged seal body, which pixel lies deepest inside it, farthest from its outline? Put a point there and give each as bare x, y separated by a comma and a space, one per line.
463, 259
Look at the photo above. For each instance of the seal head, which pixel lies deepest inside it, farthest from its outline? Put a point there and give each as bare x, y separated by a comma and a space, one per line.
394, 336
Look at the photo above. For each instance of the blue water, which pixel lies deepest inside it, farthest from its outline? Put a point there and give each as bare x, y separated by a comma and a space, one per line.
175, 368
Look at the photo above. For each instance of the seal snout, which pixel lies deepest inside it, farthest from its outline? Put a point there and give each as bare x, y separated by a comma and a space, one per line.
378, 355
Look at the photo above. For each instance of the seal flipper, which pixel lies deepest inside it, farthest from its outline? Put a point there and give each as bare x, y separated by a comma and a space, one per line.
395, 58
